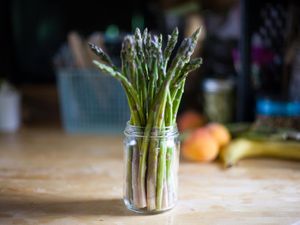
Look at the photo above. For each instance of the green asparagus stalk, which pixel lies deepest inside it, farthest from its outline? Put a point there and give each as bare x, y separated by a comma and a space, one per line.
102, 55
172, 40
186, 49
192, 65
169, 171
152, 174
165, 197
130, 91
128, 185
134, 177
154, 86
161, 175
127, 56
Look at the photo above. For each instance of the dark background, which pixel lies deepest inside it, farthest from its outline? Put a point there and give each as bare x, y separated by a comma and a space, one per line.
32, 31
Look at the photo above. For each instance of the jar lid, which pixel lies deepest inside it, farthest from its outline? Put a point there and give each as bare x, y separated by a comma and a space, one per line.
270, 107
293, 108
216, 85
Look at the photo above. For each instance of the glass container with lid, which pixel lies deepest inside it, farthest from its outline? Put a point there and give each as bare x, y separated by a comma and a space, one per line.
218, 97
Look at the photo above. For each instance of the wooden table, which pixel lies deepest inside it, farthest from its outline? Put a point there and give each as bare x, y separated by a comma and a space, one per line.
48, 177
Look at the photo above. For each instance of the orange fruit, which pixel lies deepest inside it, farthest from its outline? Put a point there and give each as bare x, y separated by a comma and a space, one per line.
190, 120
220, 133
200, 146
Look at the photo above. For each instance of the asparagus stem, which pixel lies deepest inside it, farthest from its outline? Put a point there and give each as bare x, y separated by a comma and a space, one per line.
173, 177
135, 168
153, 80
169, 172
152, 174
157, 114
169, 158
128, 185
169, 107
126, 84
159, 122
143, 87
153, 93
142, 161
165, 198
135, 118
161, 172
177, 100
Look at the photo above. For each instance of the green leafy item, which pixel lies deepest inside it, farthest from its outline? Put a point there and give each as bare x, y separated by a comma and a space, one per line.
154, 86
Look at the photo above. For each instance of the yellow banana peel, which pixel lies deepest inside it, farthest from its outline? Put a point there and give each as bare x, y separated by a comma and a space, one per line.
244, 148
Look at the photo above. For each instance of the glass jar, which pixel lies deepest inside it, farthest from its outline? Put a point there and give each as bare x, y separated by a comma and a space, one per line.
277, 114
218, 100
150, 168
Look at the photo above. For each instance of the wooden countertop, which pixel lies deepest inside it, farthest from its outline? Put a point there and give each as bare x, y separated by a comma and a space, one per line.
48, 177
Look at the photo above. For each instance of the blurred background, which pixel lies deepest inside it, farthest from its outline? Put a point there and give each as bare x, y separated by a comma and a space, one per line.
251, 69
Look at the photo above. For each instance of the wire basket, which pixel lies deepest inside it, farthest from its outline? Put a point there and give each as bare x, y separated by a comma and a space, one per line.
91, 102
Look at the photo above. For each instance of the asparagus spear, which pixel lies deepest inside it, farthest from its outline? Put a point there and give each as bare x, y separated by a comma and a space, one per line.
186, 49
102, 55
172, 40
127, 56
134, 177
152, 174
153, 92
128, 185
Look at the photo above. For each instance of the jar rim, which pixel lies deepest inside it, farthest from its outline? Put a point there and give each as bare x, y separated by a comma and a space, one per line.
216, 85
166, 127
138, 131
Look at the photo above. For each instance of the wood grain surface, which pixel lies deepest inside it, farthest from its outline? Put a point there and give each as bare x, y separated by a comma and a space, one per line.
48, 177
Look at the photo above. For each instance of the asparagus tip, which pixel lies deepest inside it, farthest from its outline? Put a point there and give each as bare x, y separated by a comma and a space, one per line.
176, 31
197, 33
137, 33
93, 46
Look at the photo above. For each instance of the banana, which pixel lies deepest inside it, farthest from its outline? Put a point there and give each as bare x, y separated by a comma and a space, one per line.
243, 148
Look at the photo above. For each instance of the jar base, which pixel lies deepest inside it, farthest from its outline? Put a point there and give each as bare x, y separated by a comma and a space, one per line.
145, 211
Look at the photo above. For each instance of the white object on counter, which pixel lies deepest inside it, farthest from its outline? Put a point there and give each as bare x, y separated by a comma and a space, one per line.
9, 108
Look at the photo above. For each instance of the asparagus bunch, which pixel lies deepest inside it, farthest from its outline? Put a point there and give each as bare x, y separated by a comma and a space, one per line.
154, 86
